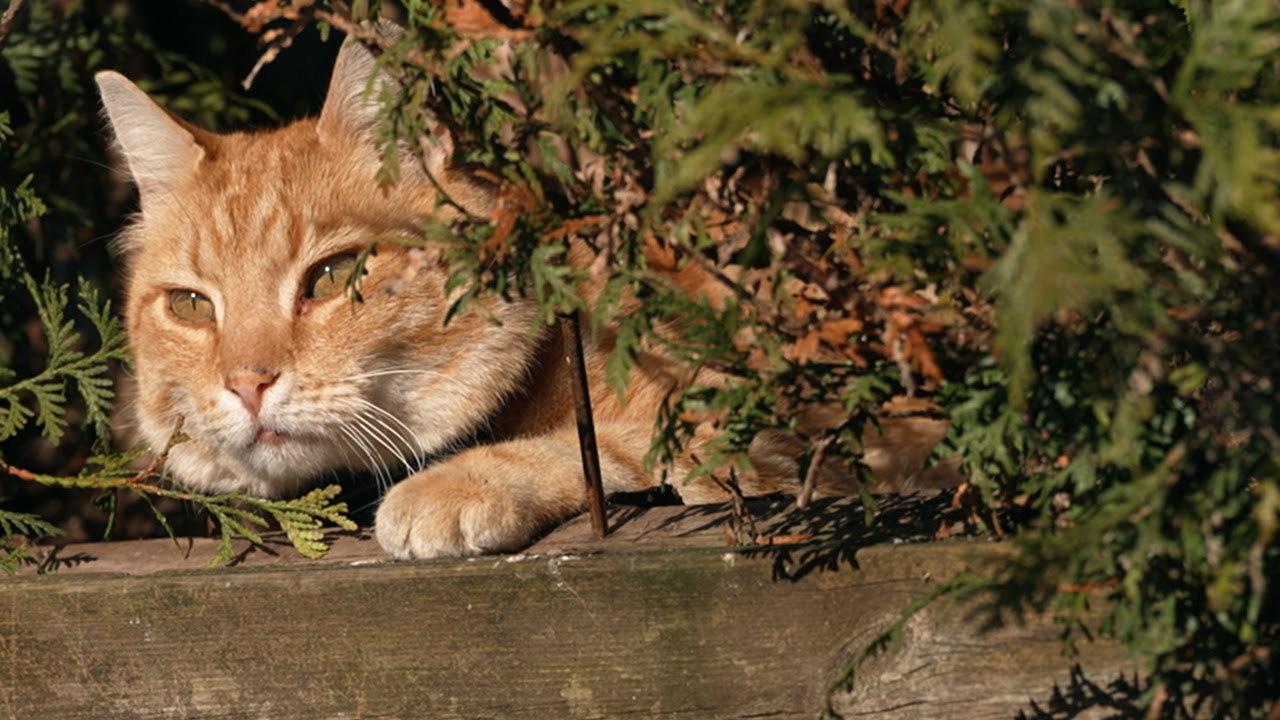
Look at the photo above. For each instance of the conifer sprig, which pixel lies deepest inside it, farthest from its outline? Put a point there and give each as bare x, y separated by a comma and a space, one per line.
13, 553
66, 363
239, 516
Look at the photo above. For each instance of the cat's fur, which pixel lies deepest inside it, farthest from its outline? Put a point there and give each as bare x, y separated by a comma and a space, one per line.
240, 218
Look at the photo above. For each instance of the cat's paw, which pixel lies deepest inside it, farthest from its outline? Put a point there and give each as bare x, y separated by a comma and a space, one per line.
438, 514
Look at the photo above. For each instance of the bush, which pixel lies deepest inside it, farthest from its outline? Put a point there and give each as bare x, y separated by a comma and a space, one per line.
1054, 223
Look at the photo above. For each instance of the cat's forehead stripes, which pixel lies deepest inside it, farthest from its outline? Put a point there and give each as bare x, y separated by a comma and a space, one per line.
252, 203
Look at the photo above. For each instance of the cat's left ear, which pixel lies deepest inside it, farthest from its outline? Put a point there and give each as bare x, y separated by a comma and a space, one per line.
161, 150
352, 104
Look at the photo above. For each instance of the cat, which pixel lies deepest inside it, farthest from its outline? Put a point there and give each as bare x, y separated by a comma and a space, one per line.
239, 322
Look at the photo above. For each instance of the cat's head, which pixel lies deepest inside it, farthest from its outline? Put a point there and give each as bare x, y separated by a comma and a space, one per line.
237, 311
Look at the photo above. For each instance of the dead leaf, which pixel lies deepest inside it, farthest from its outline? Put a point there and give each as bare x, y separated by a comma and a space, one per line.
836, 332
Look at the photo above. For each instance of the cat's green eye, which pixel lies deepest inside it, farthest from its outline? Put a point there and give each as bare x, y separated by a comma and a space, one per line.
191, 306
330, 276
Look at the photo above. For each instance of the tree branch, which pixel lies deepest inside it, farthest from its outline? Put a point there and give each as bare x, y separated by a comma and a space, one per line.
9, 17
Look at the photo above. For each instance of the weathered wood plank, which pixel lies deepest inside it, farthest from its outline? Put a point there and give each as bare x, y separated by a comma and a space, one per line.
950, 664
631, 528
644, 629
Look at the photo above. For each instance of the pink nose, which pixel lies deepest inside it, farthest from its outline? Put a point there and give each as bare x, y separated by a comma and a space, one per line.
250, 383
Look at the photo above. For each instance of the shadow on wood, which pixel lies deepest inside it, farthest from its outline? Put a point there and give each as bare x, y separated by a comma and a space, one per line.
660, 620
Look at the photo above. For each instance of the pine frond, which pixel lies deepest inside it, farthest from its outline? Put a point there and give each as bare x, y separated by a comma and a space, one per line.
28, 524
66, 363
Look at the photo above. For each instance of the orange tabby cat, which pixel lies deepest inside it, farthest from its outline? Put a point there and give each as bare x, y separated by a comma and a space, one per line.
238, 322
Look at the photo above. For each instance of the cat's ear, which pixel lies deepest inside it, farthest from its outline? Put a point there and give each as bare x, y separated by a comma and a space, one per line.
352, 104
161, 150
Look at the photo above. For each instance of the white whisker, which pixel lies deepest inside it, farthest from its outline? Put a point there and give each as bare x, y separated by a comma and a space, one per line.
400, 371
376, 467
378, 436
407, 437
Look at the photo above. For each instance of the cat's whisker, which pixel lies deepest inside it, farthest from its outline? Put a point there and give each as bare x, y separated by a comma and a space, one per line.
378, 436
346, 456
359, 437
398, 371
386, 479
395, 434
376, 467
409, 439
349, 440
352, 465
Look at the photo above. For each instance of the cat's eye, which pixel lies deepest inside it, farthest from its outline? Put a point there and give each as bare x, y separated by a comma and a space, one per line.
330, 276
191, 306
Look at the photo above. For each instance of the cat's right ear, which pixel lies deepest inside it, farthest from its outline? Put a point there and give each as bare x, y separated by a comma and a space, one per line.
352, 104
162, 152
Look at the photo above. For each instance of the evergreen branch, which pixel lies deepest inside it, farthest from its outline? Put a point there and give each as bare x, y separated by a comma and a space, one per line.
14, 555
301, 518
29, 524
66, 363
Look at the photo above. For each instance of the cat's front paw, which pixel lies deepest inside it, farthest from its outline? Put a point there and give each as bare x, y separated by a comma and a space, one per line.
439, 514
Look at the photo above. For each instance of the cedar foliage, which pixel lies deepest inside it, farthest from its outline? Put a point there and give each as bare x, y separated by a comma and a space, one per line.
1054, 223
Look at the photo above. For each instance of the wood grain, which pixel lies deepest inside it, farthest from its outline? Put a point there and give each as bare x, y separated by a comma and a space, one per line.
669, 625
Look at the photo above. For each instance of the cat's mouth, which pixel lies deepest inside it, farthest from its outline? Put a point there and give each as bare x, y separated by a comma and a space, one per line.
267, 436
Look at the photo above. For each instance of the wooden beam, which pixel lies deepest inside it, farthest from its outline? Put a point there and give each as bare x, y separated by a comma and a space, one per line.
664, 623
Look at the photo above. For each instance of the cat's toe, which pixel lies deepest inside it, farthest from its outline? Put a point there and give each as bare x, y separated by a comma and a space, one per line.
425, 517
414, 522
393, 523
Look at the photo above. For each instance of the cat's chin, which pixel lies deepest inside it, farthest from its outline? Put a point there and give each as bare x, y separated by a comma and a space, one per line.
287, 457
277, 468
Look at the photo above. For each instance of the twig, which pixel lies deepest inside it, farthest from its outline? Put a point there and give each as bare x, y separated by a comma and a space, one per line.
811, 475
571, 333
7, 20
445, 197
740, 516
1157, 702
175, 436
136, 482
342, 20
229, 11
904, 367
280, 42
133, 482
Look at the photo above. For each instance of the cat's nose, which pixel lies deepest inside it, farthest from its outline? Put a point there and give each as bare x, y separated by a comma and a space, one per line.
250, 383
